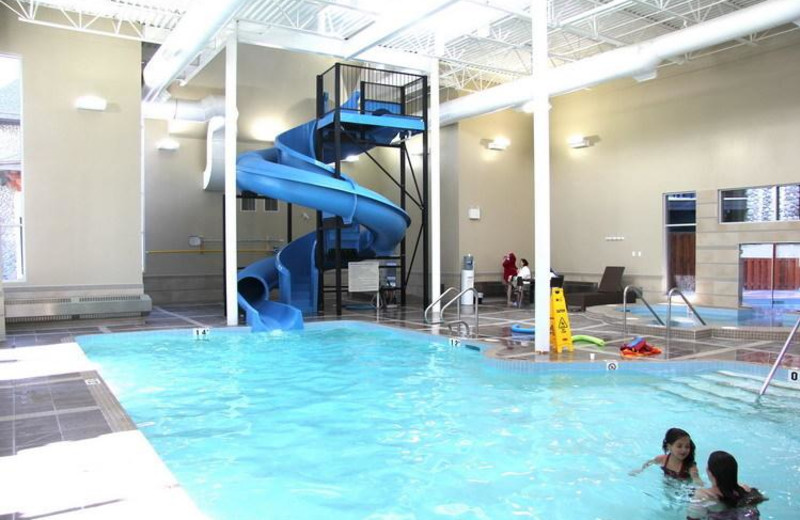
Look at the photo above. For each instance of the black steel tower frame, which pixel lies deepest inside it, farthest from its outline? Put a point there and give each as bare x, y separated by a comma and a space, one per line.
421, 201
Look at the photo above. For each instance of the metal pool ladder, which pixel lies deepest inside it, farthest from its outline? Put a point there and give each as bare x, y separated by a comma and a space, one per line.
457, 299
638, 293
677, 291
440, 298
774, 368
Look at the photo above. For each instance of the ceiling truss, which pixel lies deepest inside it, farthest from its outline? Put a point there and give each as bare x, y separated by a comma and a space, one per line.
479, 43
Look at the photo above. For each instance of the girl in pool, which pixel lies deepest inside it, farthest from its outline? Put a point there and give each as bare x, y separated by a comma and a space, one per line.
726, 499
678, 459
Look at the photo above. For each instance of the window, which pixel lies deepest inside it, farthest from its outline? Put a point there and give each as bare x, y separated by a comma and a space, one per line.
11, 201
770, 275
762, 204
680, 223
270, 204
248, 204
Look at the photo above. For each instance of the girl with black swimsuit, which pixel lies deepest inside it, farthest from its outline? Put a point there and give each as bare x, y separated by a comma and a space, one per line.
678, 459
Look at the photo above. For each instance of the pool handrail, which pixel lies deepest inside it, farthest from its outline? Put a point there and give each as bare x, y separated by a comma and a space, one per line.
429, 307
677, 291
457, 299
457, 322
637, 292
778, 360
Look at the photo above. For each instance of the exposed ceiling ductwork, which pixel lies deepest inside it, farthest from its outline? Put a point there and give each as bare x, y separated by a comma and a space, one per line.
202, 110
634, 60
187, 39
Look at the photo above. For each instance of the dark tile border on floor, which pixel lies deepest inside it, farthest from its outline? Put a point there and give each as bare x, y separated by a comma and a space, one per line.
66, 407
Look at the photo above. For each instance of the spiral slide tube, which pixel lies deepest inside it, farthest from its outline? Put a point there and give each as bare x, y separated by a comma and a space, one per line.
289, 172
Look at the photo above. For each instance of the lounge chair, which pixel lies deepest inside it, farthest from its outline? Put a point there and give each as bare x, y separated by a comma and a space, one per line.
609, 291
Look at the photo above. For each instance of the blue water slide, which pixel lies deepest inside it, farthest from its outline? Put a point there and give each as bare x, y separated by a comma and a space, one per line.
289, 172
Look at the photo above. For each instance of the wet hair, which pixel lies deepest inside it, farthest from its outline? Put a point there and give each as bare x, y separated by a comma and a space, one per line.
672, 436
723, 466
524, 262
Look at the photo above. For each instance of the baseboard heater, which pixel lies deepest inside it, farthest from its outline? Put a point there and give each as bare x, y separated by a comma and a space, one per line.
79, 307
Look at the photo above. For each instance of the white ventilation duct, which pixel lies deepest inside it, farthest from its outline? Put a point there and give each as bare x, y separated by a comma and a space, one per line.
634, 60
214, 174
211, 109
193, 32
184, 110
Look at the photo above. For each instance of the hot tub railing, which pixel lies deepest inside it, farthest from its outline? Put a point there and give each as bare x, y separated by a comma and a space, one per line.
778, 361
638, 293
677, 291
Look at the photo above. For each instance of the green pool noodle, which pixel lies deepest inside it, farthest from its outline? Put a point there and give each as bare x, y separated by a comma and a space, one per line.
589, 339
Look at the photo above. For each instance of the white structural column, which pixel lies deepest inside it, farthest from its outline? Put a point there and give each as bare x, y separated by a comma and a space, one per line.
541, 173
231, 117
435, 222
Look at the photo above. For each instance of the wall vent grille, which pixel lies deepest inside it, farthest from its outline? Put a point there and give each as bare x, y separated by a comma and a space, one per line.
80, 307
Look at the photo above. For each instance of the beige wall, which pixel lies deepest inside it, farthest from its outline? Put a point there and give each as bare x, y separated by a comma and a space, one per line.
81, 169
501, 184
450, 165
698, 129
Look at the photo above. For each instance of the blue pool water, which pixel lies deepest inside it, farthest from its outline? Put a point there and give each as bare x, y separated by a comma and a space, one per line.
345, 421
715, 316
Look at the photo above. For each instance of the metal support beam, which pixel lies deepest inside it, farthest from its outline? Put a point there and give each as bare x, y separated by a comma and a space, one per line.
541, 173
432, 220
231, 117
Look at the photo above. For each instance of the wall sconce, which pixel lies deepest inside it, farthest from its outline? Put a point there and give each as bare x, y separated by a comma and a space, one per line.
578, 141
646, 76
96, 103
168, 144
498, 143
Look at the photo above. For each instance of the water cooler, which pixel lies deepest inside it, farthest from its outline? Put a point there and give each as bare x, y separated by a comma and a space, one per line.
467, 279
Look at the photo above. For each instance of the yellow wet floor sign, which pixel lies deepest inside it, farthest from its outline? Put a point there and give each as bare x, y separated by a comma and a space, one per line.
560, 331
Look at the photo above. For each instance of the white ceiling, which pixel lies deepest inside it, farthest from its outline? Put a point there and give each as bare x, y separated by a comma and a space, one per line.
481, 43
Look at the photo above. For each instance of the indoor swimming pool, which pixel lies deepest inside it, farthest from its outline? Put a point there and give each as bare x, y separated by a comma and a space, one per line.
346, 421
719, 317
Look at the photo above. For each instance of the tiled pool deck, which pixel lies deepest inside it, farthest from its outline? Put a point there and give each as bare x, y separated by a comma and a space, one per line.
69, 451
